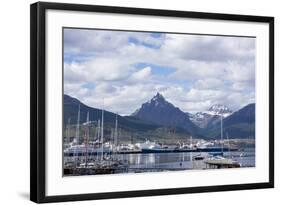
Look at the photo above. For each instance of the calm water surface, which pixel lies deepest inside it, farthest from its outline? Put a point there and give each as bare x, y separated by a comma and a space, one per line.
182, 160
154, 162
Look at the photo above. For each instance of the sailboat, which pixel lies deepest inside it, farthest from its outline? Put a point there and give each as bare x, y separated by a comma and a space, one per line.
75, 151
67, 142
79, 156
219, 161
72, 151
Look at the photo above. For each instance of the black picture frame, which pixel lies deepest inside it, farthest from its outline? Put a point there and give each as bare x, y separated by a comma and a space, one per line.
38, 100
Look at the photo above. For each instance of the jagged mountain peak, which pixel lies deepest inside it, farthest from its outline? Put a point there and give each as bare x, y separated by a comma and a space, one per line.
240, 124
150, 119
158, 98
159, 111
156, 101
219, 109
205, 118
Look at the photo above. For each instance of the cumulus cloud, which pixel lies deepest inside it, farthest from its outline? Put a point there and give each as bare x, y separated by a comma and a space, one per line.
142, 74
92, 41
209, 83
209, 48
128, 68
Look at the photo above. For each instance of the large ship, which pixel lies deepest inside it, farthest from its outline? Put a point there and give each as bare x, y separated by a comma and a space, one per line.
212, 147
153, 147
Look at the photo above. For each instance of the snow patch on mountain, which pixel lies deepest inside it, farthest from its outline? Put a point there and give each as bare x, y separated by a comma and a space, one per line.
204, 118
219, 109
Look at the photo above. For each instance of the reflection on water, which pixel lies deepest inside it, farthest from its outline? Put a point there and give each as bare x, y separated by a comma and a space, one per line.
153, 162
184, 160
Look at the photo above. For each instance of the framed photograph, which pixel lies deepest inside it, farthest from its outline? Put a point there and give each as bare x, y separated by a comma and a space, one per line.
129, 102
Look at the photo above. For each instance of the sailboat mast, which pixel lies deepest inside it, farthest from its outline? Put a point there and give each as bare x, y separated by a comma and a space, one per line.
98, 131
87, 138
68, 131
77, 125
77, 135
221, 134
112, 143
115, 135
116, 130
102, 113
98, 136
191, 155
228, 144
87, 120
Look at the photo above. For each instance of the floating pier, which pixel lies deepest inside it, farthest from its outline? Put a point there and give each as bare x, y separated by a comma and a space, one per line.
222, 163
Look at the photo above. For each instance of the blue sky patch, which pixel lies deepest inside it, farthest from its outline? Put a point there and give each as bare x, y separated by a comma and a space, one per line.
89, 85
137, 42
156, 69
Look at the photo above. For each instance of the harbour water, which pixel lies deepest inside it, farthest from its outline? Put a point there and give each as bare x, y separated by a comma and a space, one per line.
157, 162
182, 160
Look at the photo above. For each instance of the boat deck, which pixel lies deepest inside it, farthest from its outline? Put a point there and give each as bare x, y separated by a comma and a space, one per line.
222, 163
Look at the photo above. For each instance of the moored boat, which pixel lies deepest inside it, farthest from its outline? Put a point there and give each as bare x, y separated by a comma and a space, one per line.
219, 161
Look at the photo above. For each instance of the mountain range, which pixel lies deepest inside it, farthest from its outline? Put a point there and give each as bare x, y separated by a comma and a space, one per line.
240, 123
131, 127
208, 118
160, 119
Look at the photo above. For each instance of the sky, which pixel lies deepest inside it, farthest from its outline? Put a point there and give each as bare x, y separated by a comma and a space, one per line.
121, 70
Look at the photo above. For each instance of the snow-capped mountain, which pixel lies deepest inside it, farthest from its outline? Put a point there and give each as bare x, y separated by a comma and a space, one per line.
219, 109
200, 119
240, 124
211, 116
